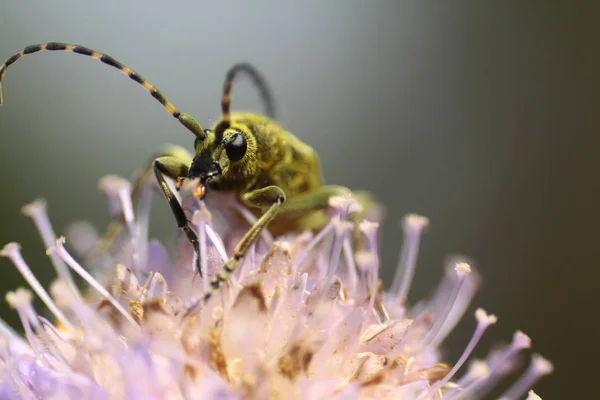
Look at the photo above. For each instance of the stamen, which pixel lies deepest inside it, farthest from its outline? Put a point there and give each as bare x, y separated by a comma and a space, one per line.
532, 396
413, 226
251, 219
49, 327
345, 205
54, 357
484, 321
478, 370
217, 242
203, 255
142, 194
62, 252
83, 239
351, 265
386, 315
200, 219
519, 342
119, 189
118, 192
38, 212
460, 304
105, 185
19, 300
98, 333
369, 230
12, 251
316, 240
365, 263
481, 386
66, 300
462, 272
538, 368
15, 341
443, 291
341, 229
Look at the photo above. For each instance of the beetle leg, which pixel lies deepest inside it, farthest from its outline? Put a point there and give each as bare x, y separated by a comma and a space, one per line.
173, 168
142, 187
172, 162
271, 197
318, 199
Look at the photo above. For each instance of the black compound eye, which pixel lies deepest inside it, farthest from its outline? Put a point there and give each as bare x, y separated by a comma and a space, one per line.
236, 148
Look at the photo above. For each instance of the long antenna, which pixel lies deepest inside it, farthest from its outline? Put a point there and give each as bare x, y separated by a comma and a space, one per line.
261, 85
185, 119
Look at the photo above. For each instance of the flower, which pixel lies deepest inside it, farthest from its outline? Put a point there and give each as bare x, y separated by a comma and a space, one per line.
304, 316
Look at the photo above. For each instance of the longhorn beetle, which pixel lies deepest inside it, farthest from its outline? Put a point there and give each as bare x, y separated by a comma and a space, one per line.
271, 171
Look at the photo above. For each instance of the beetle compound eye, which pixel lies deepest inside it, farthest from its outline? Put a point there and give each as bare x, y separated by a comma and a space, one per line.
236, 148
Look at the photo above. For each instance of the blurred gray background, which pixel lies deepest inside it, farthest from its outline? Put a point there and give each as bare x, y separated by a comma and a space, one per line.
481, 115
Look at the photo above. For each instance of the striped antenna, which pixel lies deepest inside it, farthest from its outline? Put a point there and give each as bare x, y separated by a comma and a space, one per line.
261, 85
185, 119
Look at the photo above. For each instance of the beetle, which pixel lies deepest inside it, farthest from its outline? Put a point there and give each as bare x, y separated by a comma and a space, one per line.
271, 171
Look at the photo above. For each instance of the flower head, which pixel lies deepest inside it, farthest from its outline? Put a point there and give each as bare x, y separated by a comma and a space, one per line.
305, 316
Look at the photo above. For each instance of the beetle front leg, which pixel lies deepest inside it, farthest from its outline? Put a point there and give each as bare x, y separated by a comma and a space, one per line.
142, 188
318, 199
271, 197
173, 168
173, 162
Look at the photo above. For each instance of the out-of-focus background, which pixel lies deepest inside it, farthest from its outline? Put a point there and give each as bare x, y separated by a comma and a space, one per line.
484, 117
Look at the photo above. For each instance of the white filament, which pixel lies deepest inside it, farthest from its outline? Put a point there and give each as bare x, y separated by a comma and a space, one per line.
62, 252
12, 251
38, 212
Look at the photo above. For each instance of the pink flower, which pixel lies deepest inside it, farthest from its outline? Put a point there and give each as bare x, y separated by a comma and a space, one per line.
304, 317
